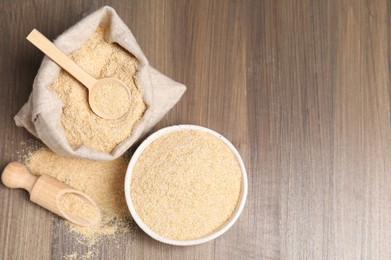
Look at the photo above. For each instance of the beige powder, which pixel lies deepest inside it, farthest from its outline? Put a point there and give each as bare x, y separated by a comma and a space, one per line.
74, 205
101, 180
112, 99
186, 184
102, 60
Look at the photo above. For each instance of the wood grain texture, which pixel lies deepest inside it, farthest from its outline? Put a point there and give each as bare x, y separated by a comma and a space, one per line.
301, 88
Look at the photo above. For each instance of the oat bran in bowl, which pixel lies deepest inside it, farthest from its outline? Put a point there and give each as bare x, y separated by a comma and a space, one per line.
185, 185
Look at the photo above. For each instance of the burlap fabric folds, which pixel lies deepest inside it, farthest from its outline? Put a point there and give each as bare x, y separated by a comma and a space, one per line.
41, 115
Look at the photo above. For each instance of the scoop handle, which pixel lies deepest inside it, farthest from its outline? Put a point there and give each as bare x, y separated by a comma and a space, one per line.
16, 175
47, 47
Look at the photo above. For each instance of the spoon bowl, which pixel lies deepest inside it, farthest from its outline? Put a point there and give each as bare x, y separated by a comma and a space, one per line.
86, 217
109, 98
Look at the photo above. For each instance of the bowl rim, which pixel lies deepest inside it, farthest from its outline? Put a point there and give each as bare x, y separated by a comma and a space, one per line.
128, 177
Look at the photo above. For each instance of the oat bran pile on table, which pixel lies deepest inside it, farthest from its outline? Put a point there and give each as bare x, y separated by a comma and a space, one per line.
100, 59
101, 180
186, 184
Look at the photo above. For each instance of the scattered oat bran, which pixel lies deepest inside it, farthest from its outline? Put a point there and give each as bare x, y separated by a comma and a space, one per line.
72, 256
74, 205
101, 180
26, 148
100, 59
186, 184
75, 256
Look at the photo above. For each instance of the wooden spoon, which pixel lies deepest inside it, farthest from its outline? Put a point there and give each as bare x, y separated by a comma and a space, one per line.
93, 85
47, 192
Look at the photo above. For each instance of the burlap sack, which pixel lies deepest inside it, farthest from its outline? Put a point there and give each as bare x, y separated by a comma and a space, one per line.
42, 113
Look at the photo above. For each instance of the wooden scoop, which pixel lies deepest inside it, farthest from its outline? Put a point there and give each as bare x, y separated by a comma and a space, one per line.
47, 192
93, 85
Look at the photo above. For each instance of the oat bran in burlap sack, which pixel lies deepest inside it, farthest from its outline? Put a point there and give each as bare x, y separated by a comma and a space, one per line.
41, 115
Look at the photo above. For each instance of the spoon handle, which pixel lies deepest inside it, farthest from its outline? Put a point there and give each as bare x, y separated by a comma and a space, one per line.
47, 47
16, 175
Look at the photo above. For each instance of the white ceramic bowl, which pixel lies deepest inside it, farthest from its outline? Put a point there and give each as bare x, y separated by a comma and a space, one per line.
139, 221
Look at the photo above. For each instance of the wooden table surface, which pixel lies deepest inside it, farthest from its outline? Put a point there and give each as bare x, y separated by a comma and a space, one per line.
301, 88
